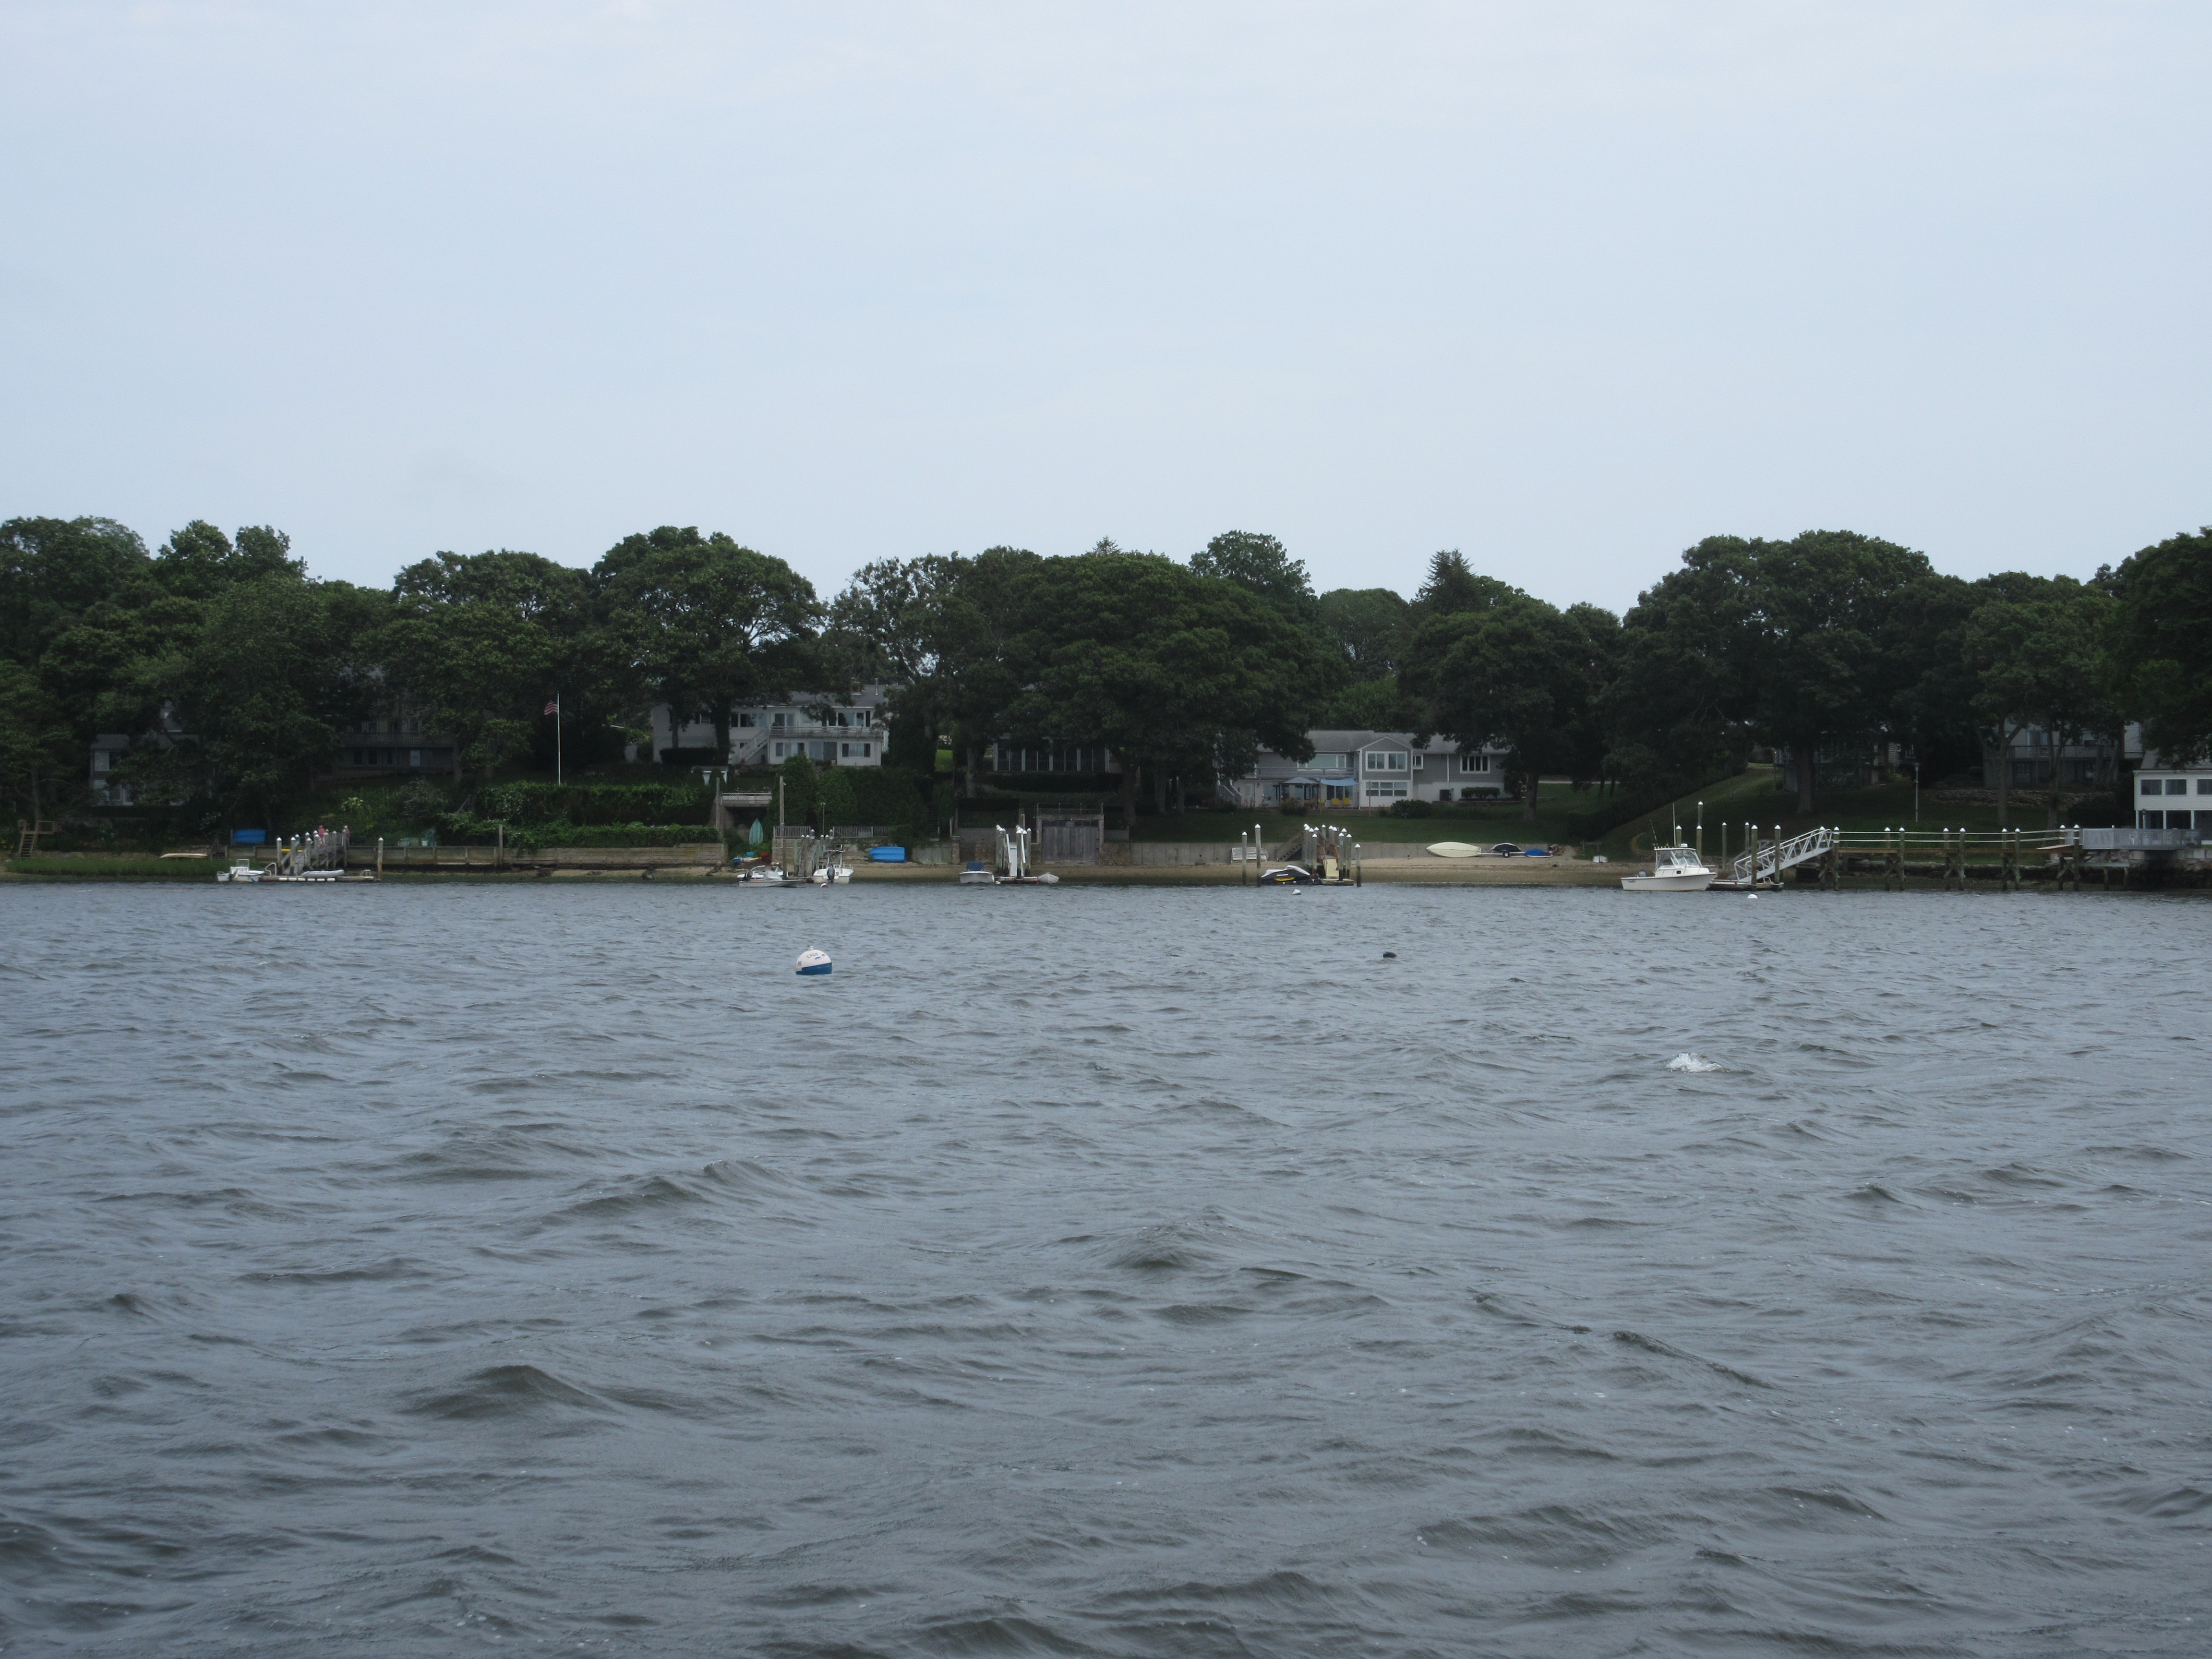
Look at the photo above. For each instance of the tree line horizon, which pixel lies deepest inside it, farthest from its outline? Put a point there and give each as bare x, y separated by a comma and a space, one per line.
1825, 644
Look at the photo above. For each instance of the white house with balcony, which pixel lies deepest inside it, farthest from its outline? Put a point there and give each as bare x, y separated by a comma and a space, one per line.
1371, 769
843, 730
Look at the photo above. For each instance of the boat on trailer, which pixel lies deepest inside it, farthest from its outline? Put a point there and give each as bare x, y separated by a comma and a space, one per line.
1674, 870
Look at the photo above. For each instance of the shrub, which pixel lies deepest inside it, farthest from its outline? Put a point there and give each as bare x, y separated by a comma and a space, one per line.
420, 803
1411, 809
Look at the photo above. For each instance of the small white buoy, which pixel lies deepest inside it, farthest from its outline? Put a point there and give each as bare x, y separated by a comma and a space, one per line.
813, 962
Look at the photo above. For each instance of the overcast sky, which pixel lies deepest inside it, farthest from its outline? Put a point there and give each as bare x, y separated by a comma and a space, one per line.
1564, 286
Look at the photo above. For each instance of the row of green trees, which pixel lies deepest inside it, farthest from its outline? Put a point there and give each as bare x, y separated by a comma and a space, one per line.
241, 676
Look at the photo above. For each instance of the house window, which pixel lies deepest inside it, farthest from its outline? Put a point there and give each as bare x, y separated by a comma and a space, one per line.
2154, 785
2177, 786
779, 751
864, 751
848, 751
2205, 786
778, 722
1386, 760
414, 757
1386, 791
1473, 763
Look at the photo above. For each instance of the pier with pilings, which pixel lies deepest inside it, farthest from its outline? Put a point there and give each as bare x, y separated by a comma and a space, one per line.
2060, 860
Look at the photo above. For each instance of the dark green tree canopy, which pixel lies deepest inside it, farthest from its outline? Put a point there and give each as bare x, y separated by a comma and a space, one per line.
2158, 652
198, 561
1454, 585
1263, 567
1522, 673
52, 571
1369, 625
1182, 674
708, 624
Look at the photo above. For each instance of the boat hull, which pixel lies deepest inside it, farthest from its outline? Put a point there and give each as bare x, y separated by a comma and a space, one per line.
1689, 883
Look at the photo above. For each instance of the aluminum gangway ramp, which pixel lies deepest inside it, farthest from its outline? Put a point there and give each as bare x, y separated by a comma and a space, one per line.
1775, 857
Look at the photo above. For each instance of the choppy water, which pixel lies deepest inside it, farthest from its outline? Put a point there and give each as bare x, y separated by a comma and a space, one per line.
427, 1271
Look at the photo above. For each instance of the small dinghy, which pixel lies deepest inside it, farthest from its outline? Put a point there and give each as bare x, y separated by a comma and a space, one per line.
1674, 870
1455, 849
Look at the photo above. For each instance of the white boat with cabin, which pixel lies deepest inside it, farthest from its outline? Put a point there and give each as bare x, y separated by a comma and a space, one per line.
1674, 870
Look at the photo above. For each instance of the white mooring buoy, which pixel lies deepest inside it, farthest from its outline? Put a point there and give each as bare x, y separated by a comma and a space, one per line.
813, 962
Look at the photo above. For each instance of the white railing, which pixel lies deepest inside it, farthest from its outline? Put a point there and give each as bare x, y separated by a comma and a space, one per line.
1774, 857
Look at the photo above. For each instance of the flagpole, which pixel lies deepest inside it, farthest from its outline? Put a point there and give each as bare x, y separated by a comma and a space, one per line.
557, 776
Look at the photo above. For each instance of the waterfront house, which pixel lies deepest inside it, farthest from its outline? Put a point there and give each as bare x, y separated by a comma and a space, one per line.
845, 730
401, 738
1371, 769
2172, 797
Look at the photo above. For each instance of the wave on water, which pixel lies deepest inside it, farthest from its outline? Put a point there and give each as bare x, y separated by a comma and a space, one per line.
1114, 1272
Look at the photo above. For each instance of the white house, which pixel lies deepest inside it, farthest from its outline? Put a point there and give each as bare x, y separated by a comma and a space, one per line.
2173, 797
830, 730
1371, 769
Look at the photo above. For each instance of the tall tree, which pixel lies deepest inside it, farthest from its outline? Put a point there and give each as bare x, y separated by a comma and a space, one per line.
1830, 667
2034, 650
1264, 568
52, 571
1682, 705
484, 639
198, 561
2158, 648
708, 624
1181, 675
37, 747
1520, 673
889, 624
1454, 585
1368, 626
278, 670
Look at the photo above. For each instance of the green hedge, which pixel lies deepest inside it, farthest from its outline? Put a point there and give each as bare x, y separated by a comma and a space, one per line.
151, 869
524, 803
465, 830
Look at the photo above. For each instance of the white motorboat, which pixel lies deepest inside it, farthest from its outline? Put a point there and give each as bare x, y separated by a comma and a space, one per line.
767, 875
240, 873
1674, 870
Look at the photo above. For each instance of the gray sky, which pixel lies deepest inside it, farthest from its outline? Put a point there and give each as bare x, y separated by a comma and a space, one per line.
1565, 286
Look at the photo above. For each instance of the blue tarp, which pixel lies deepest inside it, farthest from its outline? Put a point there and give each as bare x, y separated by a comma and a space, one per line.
249, 837
888, 854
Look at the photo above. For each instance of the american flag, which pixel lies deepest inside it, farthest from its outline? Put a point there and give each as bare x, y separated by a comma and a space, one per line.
554, 707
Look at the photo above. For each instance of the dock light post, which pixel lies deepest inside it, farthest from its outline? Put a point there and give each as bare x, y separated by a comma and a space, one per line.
1701, 832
